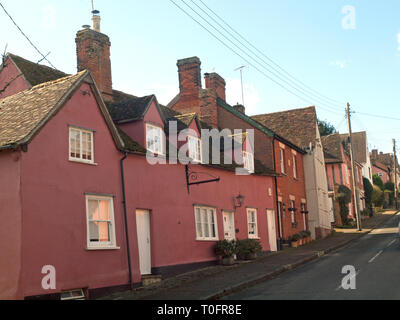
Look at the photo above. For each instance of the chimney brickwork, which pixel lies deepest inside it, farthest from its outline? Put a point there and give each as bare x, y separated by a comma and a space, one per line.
93, 54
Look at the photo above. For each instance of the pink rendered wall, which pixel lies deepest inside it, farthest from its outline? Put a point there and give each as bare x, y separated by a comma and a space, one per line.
7, 74
10, 226
163, 191
54, 225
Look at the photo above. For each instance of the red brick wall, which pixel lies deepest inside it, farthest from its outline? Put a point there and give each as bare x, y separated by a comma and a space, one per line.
290, 186
93, 53
262, 143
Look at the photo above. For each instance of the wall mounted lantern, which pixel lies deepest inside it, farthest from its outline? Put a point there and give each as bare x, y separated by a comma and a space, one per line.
238, 201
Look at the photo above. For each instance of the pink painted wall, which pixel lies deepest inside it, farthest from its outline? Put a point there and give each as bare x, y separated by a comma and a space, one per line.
11, 219
54, 224
173, 234
8, 73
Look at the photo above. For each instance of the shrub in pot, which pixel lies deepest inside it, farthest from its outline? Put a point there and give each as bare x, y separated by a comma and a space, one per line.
248, 249
295, 240
226, 250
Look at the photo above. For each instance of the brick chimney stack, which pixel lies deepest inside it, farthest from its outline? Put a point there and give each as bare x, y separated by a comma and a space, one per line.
189, 76
216, 82
93, 54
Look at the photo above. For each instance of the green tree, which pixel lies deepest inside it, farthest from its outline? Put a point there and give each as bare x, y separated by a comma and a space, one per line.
378, 182
368, 189
378, 197
344, 198
325, 128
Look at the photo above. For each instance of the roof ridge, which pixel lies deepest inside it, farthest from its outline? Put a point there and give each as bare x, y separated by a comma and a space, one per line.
284, 111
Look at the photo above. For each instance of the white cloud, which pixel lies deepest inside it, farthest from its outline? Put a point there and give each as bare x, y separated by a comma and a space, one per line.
338, 64
234, 94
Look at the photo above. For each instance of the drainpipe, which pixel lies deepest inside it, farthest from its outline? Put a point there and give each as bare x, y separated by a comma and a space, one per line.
126, 220
277, 198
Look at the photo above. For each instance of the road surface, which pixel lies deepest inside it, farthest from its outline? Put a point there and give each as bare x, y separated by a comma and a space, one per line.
376, 261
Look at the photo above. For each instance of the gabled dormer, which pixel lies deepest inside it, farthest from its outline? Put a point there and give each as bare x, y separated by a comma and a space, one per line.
141, 119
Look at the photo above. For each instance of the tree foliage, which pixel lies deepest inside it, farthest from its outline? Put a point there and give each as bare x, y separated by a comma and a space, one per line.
344, 198
368, 189
325, 128
378, 197
378, 182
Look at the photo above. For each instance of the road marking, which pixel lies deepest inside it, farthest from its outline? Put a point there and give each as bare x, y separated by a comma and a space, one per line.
391, 243
376, 256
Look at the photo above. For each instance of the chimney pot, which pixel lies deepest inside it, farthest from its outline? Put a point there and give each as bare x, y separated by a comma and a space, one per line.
240, 108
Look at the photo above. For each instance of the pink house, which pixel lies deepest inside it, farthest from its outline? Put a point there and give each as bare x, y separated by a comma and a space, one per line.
81, 196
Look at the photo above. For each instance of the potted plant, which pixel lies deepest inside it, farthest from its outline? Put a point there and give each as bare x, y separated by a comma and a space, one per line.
295, 240
308, 234
226, 250
248, 249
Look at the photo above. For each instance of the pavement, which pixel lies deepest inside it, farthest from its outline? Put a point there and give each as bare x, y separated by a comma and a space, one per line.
217, 282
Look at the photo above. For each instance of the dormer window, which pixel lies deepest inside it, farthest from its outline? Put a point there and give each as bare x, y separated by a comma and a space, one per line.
81, 145
248, 161
195, 149
154, 141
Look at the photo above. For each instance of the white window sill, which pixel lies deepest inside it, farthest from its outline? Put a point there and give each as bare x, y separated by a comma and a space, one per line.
102, 248
83, 162
207, 240
254, 238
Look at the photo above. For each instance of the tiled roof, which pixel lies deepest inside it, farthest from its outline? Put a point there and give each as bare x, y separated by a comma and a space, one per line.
126, 107
332, 148
298, 125
22, 114
36, 73
359, 145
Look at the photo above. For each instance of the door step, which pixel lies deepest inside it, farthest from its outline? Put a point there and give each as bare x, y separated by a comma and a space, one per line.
151, 280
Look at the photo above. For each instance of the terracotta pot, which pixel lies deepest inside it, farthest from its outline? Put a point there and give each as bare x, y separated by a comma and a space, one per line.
228, 261
295, 244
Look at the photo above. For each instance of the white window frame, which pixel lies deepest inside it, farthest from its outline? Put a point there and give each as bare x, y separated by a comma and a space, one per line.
195, 155
292, 213
283, 167
161, 136
80, 159
255, 222
248, 161
69, 295
101, 245
210, 213
294, 166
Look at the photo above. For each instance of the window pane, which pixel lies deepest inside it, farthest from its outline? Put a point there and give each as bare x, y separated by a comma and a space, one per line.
212, 226
94, 232
104, 231
93, 210
104, 207
205, 223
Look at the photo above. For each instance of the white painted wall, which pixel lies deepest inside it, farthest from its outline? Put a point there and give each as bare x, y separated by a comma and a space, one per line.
319, 205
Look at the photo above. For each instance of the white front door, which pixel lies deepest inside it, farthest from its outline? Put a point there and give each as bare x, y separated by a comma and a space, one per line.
272, 230
143, 234
229, 225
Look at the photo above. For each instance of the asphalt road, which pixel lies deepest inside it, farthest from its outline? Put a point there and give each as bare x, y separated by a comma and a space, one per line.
375, 258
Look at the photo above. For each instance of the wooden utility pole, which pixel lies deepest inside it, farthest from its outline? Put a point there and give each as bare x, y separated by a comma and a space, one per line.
355, 188
395, 173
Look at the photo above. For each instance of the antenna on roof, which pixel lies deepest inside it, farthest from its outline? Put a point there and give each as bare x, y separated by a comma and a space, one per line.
241, 80
95, 18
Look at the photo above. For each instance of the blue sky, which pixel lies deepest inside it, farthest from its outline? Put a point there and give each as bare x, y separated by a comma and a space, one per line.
306, 38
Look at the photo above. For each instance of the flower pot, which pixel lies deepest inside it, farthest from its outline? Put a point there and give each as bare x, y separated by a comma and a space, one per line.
247, 256
309, 239
295, 244
228, 261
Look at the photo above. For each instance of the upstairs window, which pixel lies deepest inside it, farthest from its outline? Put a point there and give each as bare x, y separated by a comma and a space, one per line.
154, 141
81, 145
195, 149
283, 161
248, 161
294, 166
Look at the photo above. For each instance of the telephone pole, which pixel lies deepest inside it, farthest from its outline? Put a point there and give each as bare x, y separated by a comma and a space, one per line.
355, 188
395, 173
